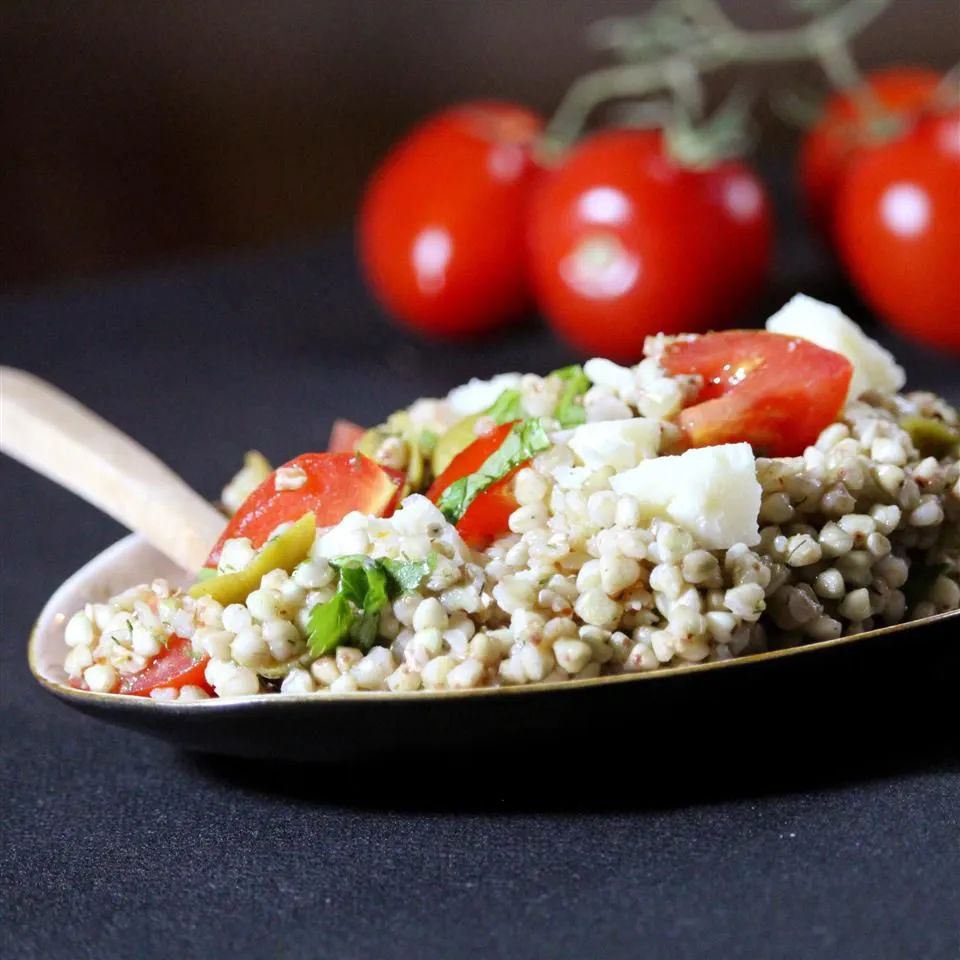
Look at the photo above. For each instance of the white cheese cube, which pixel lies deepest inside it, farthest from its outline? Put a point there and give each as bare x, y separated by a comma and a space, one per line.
874, 367
712, 492
477, 395
620, 444
571, 478
606, 373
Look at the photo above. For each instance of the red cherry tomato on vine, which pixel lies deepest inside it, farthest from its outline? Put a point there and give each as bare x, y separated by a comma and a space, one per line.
626, 242
842, 132
743, 251
775, 392
442, 225
487, 517
898, 230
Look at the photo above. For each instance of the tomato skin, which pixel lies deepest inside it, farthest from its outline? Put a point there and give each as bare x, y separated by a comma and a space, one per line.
345, 436
840, 135
441, 231
487, 517
173, 667
898, 230
336, 484
625, 242
772, 391
743, 253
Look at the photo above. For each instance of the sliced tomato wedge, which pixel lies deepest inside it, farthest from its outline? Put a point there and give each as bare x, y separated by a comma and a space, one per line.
336, 484
173, 667
486, 518
773, 391
345, 436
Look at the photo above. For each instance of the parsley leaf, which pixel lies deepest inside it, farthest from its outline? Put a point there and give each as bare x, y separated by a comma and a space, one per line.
363, 631
407, 575
376, 597
525, 440
506, 407
363, 582
353, 584
569, 413
366, 586
370, 583
329, 624
366, 582
350, 560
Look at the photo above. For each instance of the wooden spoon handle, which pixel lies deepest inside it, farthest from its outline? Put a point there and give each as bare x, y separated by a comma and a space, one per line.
60, 438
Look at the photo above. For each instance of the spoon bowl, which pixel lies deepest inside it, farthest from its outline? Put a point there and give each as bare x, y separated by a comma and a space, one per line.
839, 680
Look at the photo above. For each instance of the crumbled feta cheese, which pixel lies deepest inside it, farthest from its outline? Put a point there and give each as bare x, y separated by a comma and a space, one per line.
431, 414
289, 478
417, 515
571, 478
874, 368
348, 537
620, 444
712, 492
606, 373
477, 395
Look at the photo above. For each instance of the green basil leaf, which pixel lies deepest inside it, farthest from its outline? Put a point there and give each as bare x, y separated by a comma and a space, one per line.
569, 413
525, 440
329, 624
506, 407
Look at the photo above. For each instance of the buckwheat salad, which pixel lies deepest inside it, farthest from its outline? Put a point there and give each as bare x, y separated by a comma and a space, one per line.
731, 493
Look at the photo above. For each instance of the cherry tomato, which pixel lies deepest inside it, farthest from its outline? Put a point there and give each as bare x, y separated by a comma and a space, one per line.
175, 666
442, 225
743, 252
625, 242
775, 392
842, 132
336, 484
898, 230
345, 436
486, 518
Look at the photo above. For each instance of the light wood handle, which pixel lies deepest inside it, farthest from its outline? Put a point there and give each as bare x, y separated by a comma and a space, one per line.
60, 438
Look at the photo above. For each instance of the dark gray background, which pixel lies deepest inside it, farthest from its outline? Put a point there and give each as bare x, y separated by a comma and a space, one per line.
782, 838
135, 132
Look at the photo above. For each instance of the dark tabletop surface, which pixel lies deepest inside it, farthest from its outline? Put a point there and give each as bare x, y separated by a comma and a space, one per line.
732, 845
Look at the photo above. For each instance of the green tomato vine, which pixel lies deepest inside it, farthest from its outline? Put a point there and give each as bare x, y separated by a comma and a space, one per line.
669, 50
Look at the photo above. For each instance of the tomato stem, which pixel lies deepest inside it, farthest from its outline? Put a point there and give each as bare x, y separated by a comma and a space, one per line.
947, 94
679, 41
840, 68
